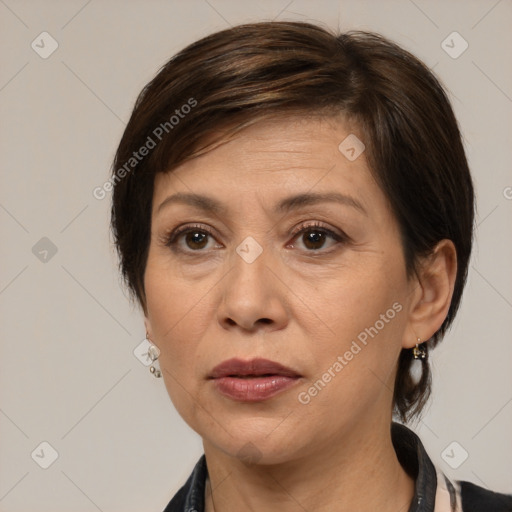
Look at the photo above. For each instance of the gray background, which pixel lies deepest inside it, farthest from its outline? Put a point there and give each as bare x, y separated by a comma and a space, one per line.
68, 373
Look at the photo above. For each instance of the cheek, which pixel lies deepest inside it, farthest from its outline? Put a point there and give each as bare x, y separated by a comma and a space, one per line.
354, 373
172, 299
356, 300
178, 316
174, 332
170, 310
363, 317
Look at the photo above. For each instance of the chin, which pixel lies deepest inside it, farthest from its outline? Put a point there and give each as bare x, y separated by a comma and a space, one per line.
256, 440
259, 453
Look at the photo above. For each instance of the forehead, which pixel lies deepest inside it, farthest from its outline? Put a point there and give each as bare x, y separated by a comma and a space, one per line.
276, 157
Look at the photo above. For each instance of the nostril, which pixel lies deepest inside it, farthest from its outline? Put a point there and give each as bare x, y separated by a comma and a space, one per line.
265, 321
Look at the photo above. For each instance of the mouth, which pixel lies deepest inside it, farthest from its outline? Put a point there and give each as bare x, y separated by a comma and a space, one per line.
255, 380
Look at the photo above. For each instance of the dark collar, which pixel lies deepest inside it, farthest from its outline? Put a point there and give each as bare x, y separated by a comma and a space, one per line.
410, 453
414, 459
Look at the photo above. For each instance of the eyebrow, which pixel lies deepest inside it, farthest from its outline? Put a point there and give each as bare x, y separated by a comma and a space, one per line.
209, 204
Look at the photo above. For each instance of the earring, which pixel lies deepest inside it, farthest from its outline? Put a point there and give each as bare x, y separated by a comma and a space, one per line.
420, 350
153, 354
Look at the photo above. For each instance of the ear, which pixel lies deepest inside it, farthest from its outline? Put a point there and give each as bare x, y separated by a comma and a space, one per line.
433, 293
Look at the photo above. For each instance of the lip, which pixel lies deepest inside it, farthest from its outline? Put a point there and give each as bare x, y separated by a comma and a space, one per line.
254, 380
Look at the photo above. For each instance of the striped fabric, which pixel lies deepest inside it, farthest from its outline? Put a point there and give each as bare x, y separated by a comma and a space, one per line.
448, 497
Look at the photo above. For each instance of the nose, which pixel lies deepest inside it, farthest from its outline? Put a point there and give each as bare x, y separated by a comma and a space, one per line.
253, 295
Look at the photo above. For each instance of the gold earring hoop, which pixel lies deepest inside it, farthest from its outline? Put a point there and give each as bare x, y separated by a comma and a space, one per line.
420, 350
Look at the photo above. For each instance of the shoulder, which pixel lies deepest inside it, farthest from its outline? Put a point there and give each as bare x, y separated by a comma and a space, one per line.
477, 499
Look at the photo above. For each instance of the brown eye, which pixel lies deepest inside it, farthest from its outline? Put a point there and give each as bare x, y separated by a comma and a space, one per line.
189, 239
196, 239
314, 237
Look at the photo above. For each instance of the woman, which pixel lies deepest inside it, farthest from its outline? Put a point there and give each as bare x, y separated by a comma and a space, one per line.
293, 211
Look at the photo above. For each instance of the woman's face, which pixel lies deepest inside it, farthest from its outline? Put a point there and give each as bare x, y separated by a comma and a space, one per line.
315, 284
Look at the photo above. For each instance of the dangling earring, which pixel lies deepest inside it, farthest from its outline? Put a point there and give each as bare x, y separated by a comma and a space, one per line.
419, 362
420, 350
153, 354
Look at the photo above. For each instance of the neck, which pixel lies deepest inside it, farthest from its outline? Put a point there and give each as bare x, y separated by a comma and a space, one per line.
359, 472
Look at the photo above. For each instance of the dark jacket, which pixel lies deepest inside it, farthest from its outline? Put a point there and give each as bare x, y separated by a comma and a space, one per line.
433, 491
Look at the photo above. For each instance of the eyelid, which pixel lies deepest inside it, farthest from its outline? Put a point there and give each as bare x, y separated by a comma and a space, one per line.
170, 237
318, 225
339, 238
185, 228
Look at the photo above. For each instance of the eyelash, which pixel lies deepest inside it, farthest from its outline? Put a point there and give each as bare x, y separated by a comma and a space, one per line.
171, 238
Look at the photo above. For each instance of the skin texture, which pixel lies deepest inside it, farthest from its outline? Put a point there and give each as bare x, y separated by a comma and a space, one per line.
301, 303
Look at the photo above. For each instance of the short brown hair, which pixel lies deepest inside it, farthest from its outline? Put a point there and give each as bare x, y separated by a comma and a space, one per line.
243, 74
